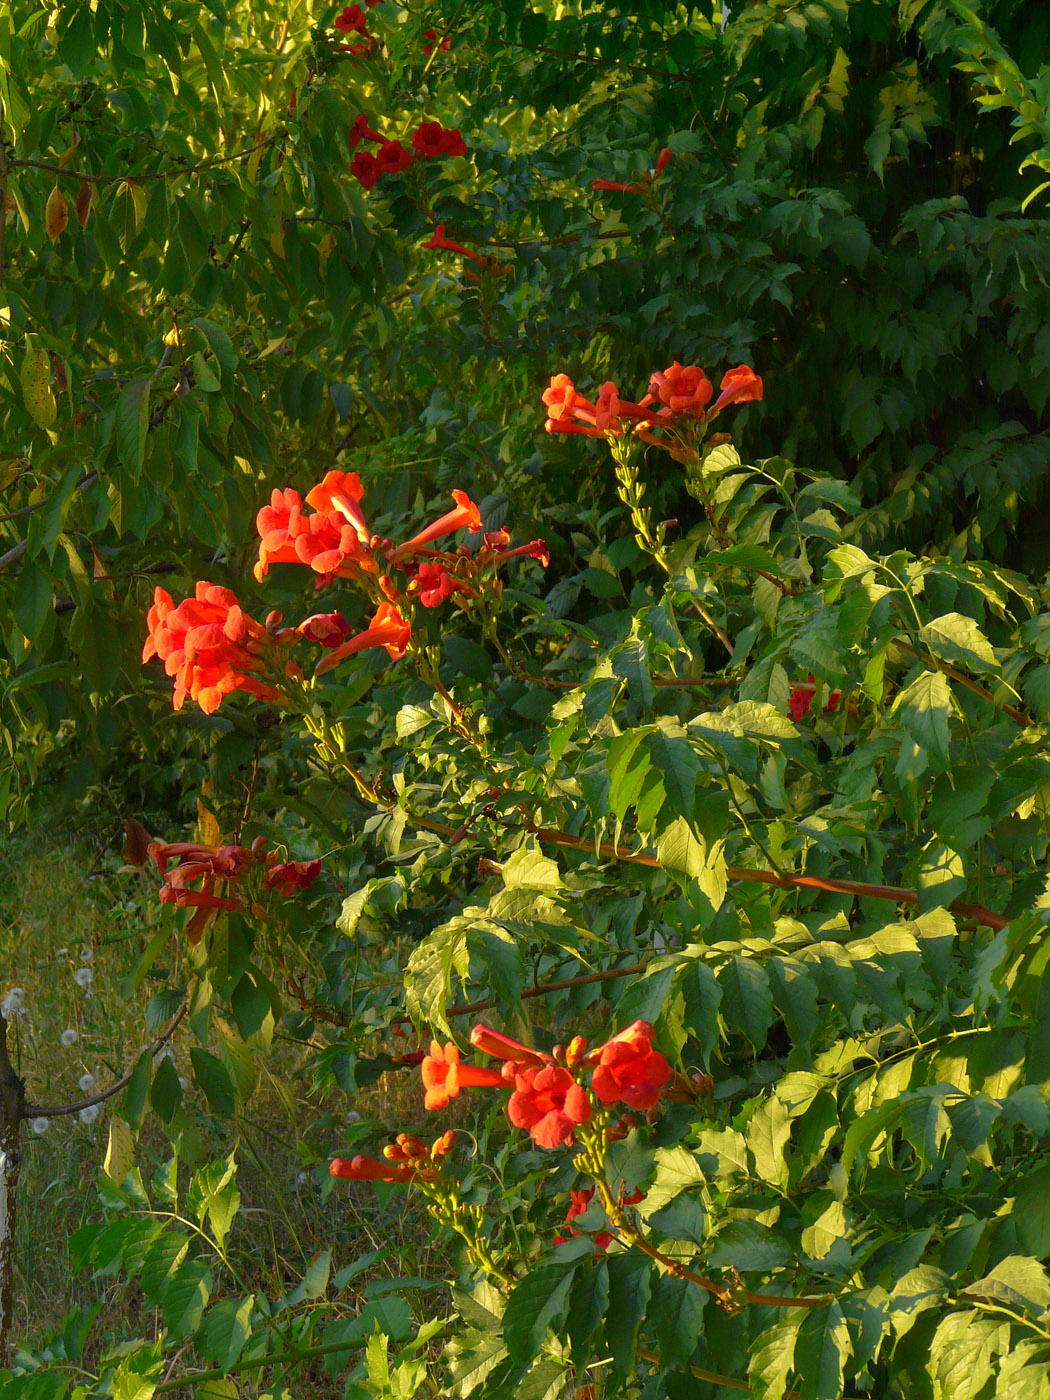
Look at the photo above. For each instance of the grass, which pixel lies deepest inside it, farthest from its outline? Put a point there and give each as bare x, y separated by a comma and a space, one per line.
66, 907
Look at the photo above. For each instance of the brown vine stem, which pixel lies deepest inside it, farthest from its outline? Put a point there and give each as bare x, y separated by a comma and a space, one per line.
473, 1007
170, 174
857, 888
730, 1298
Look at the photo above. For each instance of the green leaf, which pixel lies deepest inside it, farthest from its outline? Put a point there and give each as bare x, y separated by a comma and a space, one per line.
676, 1310
1016, 1281
1032, 1211
35, 379
588, 1303
539, 1301
501, 956
923, 709
673, 757
771, 1360
165, 1092
468, 658
822, 1348
132, 424
748, 1245
956, 638
630, 1281
225, 1330
747, 1001
186, 1297
214, 1081
767, 1135
702, 995
962, 1354
32, 599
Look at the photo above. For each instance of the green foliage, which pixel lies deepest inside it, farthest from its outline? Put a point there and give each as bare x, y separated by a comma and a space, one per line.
761, 762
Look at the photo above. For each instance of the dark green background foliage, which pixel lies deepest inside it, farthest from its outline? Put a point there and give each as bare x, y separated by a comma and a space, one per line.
854, 207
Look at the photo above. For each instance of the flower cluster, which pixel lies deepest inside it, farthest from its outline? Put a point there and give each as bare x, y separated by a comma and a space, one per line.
802, 698
430, 141
430, 35
639, 186
352, 20
212, 647
547, 1099
677, 399
406, 1158
222, 868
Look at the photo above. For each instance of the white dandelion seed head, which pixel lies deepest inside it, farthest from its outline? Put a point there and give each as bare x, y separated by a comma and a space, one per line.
353, 1116
83, 977
86, 954
41, 1125
13, 1001
301, 1178
89, 1114
86, 1083
69, 1036
61, 952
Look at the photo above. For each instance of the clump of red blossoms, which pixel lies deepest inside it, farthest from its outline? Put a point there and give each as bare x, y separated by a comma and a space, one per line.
802, 698
677, 395
431, 37
548, 1103
431, 141
212, 648
222, 868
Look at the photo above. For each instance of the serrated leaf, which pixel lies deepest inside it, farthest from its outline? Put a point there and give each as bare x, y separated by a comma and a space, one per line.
955, 637
771, 1360
747, 1001
539, 1301
1016, 1281
923, 709
132, 423
35, 379
822, 1348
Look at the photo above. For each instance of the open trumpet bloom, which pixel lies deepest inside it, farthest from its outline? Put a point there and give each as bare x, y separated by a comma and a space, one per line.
444, 1076
549, 1104
465, 516
740, 385
628, 1070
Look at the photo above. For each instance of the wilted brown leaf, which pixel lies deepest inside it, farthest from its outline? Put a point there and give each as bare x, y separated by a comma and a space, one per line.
84, 197
56, 214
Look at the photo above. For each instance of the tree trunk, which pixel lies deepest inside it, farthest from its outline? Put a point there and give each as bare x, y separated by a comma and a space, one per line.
12, 1112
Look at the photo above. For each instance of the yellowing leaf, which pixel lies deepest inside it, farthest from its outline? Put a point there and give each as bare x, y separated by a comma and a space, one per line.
56, 214
120, 1152
35, 378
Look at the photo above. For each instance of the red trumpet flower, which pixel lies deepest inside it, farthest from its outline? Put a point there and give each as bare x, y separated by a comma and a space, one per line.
444, 1076
211, 647
549, 1103
627, 1069
387, 629
503, 1047
361, 131
464, 516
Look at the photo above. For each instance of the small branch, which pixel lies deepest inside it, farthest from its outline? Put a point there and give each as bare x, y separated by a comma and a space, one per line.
13, 555
858, 889
168, 174
33, 1110
473, 1007
1018, 716
84, 481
